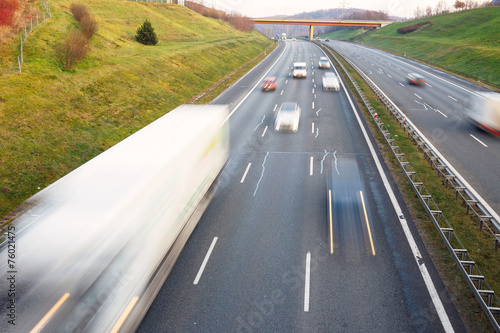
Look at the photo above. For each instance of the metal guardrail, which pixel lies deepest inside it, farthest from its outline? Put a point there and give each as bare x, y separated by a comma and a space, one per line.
476, 280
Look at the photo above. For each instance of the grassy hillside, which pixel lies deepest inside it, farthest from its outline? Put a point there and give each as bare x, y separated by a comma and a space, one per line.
53, 120
345, 34
466, 42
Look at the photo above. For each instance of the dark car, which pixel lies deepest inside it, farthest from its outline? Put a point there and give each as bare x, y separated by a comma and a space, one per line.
415, 79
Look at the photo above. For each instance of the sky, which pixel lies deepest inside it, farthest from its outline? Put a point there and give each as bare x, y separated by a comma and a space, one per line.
264, 8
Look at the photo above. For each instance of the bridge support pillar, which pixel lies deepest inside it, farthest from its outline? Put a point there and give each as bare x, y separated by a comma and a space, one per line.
311, 29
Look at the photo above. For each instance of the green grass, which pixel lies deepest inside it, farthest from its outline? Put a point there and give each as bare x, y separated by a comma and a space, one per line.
345, 34
465, 42
54, 120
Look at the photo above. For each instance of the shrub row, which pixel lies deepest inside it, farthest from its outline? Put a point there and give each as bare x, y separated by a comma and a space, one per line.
414, 27
76, 47
7, 10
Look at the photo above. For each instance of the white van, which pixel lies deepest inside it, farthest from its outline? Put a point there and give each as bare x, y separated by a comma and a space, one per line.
299, 69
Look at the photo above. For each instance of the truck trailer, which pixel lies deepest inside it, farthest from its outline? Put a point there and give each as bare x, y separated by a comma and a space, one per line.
102, 239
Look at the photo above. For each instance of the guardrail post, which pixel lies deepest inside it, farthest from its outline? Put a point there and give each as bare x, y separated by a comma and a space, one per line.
460, 252
469, 204
437, 215
448, 178
482, 219
458, 189
468, 265
479, 279
448, 232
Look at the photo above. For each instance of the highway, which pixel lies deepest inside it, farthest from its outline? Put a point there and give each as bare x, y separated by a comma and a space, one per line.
306, 231
437, 109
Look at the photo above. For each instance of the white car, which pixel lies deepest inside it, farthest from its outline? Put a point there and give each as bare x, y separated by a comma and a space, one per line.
331, 81
288, 117
324, 63
299, 69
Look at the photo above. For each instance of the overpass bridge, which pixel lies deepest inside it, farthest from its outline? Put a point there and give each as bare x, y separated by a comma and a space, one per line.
312, 23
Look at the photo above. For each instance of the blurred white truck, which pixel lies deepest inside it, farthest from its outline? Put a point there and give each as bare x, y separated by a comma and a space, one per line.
484, 111
109, 232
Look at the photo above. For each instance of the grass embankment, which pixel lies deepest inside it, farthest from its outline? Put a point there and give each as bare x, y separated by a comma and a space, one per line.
54, 120
465, 42
478, 243
346, 34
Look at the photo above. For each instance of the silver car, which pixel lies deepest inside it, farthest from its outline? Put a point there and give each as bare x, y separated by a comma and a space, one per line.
324, 63
288, 117
331, 82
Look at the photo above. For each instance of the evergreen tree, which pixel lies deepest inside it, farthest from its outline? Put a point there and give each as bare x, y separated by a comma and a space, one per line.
146, 34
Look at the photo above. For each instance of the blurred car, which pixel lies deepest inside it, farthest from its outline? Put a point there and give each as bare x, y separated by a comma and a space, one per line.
324, 63
331, 81
327, 39
269, 83
484, 111
415, 79
299, 69
288, 117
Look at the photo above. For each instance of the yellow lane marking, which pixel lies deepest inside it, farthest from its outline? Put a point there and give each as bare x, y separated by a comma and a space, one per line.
367, 222
125, 314
49, 314
331, 220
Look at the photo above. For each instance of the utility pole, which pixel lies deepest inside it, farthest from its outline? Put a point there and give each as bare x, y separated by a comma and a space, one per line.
343, 4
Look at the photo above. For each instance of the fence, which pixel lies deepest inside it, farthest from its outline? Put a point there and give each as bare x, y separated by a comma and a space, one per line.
26, 31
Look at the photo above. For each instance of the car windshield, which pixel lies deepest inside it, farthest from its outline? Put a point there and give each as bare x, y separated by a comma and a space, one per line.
288, 107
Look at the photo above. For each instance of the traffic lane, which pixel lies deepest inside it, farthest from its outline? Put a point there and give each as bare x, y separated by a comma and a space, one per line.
263, 164
464, 146
237, 91
256, 247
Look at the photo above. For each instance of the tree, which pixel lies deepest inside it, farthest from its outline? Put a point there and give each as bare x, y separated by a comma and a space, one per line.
146, 34
459, 5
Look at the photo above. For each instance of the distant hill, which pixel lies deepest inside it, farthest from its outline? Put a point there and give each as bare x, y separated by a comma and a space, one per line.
326, 14
464, 42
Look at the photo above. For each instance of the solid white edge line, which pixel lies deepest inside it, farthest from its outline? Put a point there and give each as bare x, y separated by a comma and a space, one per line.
245, 174
205, 261
311, 167
307, 284
256, 84
445, 321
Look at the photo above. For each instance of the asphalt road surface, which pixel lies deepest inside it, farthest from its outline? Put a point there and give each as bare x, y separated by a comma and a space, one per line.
306, 232
437, 109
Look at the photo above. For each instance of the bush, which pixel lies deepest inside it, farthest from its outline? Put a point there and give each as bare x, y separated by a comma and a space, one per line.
79, 11
89, 26
7, 10
411, 28
146, 34
73, 49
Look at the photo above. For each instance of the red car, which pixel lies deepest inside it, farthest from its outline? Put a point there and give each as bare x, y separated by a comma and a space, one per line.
269, 84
